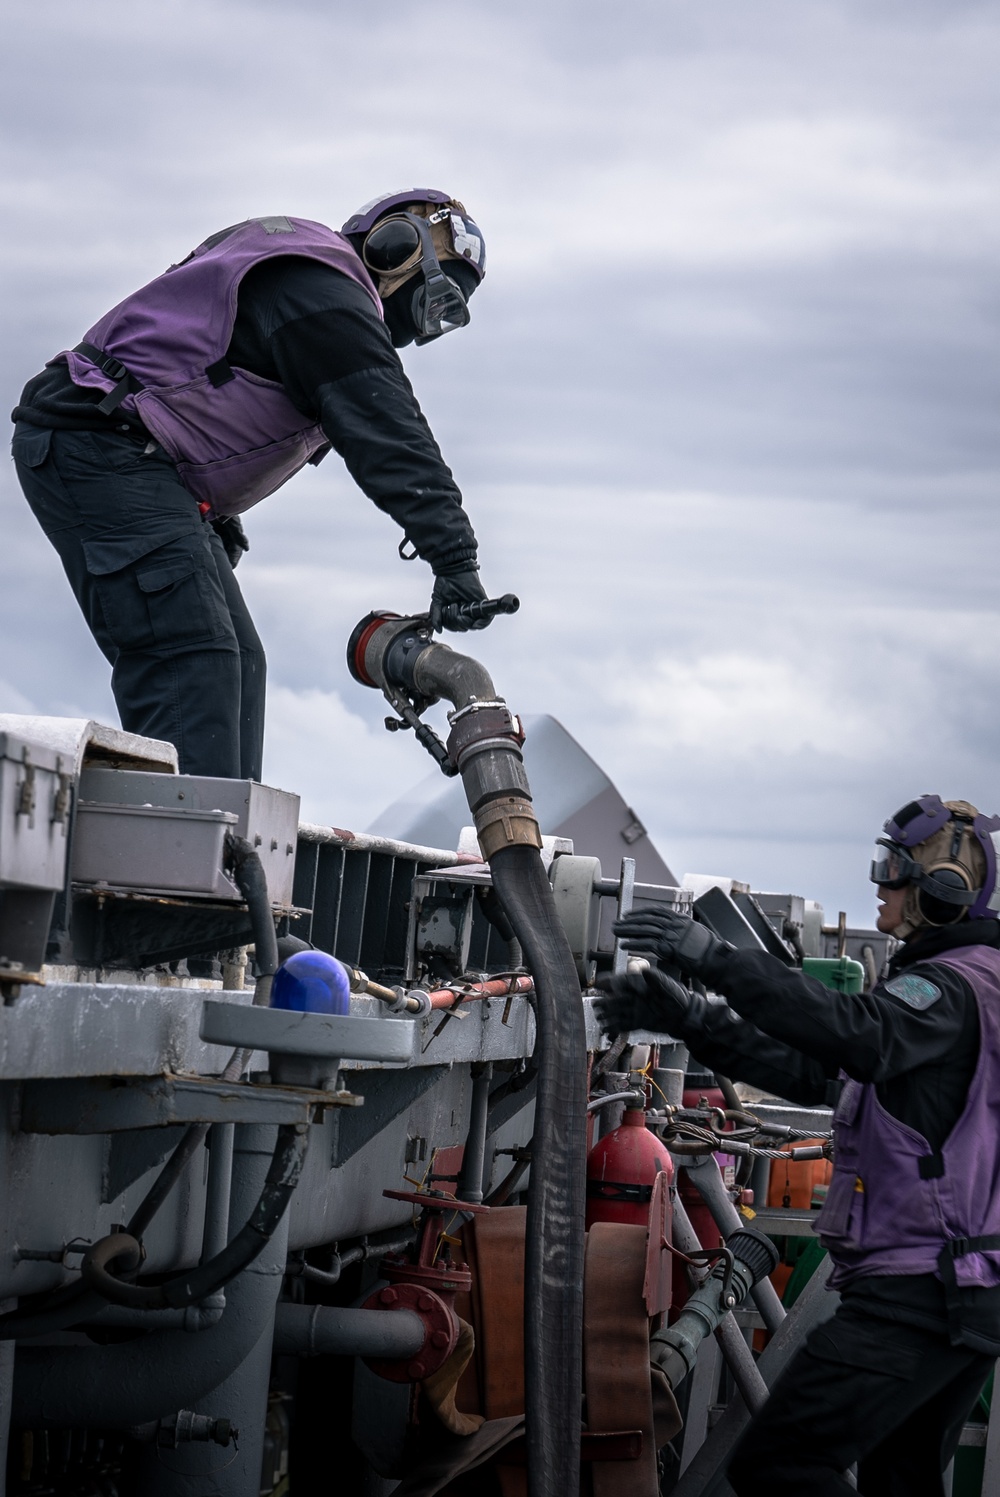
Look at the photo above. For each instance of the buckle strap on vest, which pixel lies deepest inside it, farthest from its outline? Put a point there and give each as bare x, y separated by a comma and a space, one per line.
125, 383
960, 1247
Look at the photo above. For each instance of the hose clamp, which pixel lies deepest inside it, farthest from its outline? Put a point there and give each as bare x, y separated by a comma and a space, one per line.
474, 706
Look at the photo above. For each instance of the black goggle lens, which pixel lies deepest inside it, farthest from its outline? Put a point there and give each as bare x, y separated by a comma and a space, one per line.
390, 245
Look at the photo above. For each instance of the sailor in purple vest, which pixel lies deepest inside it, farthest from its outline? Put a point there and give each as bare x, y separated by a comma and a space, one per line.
912, 1217
198, 396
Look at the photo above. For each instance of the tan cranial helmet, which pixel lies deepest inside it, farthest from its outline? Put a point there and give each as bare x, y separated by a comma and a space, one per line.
944, 854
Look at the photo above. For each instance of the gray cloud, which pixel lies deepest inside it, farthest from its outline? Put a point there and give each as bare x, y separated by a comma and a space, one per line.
725, 416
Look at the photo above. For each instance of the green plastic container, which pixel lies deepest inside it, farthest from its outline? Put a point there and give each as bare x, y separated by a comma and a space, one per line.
841, 973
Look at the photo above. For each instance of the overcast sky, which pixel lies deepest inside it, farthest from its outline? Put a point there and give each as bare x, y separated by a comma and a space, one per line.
726, 417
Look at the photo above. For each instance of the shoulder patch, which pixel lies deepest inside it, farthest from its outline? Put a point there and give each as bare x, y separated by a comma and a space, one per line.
918, 992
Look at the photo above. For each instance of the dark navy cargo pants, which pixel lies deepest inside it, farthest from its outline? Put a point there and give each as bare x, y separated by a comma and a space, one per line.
890, 1397
157, 591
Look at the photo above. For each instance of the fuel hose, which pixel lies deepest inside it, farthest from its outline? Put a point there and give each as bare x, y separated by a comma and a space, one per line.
553, 1266
401, 657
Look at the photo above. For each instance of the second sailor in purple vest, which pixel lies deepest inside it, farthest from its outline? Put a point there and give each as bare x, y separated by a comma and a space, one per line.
912, 1218
199, 395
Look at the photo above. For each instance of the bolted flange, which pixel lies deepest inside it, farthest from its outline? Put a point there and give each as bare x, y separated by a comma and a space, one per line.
441, 1327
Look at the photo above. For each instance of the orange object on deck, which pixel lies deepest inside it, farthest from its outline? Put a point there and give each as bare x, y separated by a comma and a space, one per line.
496, 987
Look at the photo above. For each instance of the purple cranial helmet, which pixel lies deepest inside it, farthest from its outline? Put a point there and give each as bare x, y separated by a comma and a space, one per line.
948, 852
917, 821
419, 233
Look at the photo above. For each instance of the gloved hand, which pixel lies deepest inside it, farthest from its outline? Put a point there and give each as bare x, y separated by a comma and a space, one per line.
674, 939
645, 1000
229, 529
457, 587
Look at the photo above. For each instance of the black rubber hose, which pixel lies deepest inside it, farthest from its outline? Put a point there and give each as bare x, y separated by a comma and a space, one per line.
192, 1139
732, 1097
190, 1288
251, 880
72, 1304
553, 1290
149, 1377
498, 1196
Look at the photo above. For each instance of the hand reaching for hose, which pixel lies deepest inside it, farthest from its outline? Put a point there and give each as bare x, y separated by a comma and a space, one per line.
647, 1000
675, 940
453, 590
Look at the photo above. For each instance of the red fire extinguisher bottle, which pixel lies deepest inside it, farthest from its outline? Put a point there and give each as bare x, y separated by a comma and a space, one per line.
621, 1169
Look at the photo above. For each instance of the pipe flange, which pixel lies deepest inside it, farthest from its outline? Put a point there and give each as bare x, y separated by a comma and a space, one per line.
361, 638
441, 1332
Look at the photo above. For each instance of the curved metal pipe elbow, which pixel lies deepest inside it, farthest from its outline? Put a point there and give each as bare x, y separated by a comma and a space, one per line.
387, 651
439, 671
402, 657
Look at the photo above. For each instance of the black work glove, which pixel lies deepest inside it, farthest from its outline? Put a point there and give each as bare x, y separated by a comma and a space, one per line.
452, 589
676, 940
230, 531
646, 1000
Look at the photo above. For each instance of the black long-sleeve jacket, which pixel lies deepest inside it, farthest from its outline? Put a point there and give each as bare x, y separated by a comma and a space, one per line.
786, 1032
791, 1035
317, 333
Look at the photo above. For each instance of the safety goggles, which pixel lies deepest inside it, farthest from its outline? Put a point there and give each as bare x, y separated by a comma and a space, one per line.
402, 244
892, 867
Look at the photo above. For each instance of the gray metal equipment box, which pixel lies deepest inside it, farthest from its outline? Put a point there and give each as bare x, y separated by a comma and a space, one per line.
35, 792
152, 849
267, 818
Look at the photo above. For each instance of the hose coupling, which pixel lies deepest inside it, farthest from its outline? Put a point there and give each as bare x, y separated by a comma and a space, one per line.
507, 822
749, 1257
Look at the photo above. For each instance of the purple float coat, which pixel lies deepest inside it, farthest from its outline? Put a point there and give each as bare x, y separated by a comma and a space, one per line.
234, 436
894, 1206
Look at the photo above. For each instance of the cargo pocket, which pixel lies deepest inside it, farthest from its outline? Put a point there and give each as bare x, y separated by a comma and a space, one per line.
170, 598
842, 1219
30, 445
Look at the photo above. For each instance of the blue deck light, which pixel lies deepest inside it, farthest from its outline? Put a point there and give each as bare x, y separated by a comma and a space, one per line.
311, 982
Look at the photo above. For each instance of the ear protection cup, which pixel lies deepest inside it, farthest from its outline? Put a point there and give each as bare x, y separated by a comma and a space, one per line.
938, 911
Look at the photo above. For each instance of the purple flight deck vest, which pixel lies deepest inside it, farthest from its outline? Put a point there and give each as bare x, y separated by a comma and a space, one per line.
894, 1206
234, 436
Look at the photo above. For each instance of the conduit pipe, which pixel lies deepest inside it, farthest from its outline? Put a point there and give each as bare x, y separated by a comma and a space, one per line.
419, 1002
133, 1382
470, 1179
213, 1239
251, 880
495, 987
189, 1288
79, 1303
704, 1175
336, 1331
401, 657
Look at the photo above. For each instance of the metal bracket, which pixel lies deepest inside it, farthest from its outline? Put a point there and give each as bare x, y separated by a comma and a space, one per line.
112, 1104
